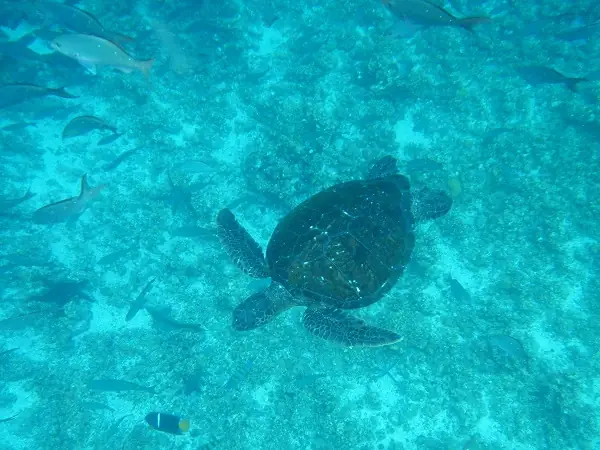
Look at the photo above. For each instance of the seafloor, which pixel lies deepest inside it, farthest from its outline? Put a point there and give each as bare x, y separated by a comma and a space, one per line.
256, 106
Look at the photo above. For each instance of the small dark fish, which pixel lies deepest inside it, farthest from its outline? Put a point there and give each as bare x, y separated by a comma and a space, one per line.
70, 209
13, 94
8, 419
109, 139
113, 257
459, 293
590, 129
139, 302
508, 346
115, 426
423, 12
84, 124
168, 423
5, 353
580, 33
96, 406
119, 159
270, 20
161, 317
21, 320
18, 126
536, 75
111, 385
6, 204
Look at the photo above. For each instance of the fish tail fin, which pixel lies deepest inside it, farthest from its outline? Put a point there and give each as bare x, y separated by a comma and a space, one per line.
469, 22
184, 425
85, 187
573, 83
60, 92
29, 194
146, 66
87, 191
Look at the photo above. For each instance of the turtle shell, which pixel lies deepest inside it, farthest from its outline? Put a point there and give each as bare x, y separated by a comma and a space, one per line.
345, 246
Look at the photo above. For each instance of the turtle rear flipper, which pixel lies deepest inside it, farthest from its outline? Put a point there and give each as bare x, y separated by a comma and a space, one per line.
428, 204
260, 308
338, 326
239, 245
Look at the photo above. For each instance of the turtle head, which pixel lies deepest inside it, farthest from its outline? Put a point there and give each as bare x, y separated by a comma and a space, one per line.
260, 308
428, 204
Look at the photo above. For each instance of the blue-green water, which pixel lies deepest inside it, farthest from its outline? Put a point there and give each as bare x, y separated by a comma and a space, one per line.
256, 106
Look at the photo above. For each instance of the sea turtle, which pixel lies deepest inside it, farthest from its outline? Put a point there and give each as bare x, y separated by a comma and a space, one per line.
343, 248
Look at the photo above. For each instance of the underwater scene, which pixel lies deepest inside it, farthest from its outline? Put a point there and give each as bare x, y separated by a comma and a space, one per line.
311, 225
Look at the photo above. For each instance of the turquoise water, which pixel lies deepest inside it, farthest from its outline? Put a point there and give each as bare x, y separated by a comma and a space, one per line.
256, 106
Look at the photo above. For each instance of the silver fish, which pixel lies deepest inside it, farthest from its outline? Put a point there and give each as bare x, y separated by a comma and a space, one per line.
509, 346
84, 124
113, 257
18, 126
92, 51
119, 159
537, 75
109, 139
76, 20
580, 33
162, 318
139, 302
70, 209
422, 12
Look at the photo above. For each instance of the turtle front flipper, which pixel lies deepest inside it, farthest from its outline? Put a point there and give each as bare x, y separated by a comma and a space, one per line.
260, 308
338, 326
239, 245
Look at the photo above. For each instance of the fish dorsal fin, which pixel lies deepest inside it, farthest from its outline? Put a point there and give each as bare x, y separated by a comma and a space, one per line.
85, 187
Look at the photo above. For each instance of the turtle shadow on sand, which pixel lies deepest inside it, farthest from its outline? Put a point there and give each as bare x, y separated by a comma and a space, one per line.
343, 248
